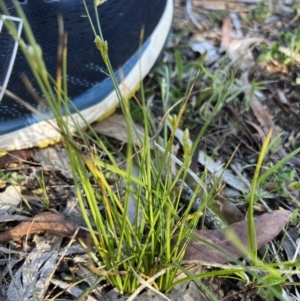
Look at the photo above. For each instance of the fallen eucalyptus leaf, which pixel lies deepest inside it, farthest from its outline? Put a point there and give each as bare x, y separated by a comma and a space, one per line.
15, 157
229, 211
226, 34
267, 227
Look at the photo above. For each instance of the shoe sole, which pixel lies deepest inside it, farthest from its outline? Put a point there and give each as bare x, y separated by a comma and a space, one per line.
44, 132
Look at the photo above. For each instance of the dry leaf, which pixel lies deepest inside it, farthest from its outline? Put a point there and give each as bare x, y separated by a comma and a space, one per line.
290, 244
10, 199
15, 157
189, 11
75, 291
226, 34
229, 211
260, 113
263, 117
208, 49
260, 132
284, 102
215, 167
43, 222
30, 280
239, 52
223, 5
115, 127
237, 23
267, 227
58, 159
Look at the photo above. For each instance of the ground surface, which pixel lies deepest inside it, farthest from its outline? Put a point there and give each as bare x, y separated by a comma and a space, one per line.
235, 41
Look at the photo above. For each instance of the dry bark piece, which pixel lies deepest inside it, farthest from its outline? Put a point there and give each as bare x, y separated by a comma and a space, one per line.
267, 227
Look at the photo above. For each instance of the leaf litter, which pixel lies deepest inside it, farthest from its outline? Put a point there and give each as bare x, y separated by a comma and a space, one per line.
240, 33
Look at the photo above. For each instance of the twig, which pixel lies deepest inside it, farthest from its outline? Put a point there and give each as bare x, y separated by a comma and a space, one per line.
189, 10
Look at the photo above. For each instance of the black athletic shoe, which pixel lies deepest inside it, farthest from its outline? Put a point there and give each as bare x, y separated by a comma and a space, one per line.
89, 87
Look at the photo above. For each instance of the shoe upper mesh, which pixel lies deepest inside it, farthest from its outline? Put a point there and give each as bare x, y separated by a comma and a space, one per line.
121, 23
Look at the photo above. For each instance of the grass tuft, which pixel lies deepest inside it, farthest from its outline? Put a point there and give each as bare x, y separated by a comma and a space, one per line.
137, 223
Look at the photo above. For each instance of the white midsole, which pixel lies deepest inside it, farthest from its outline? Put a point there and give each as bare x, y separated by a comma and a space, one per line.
45, 132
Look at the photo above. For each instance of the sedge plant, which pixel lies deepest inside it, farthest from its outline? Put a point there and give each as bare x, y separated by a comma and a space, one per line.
127, 251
